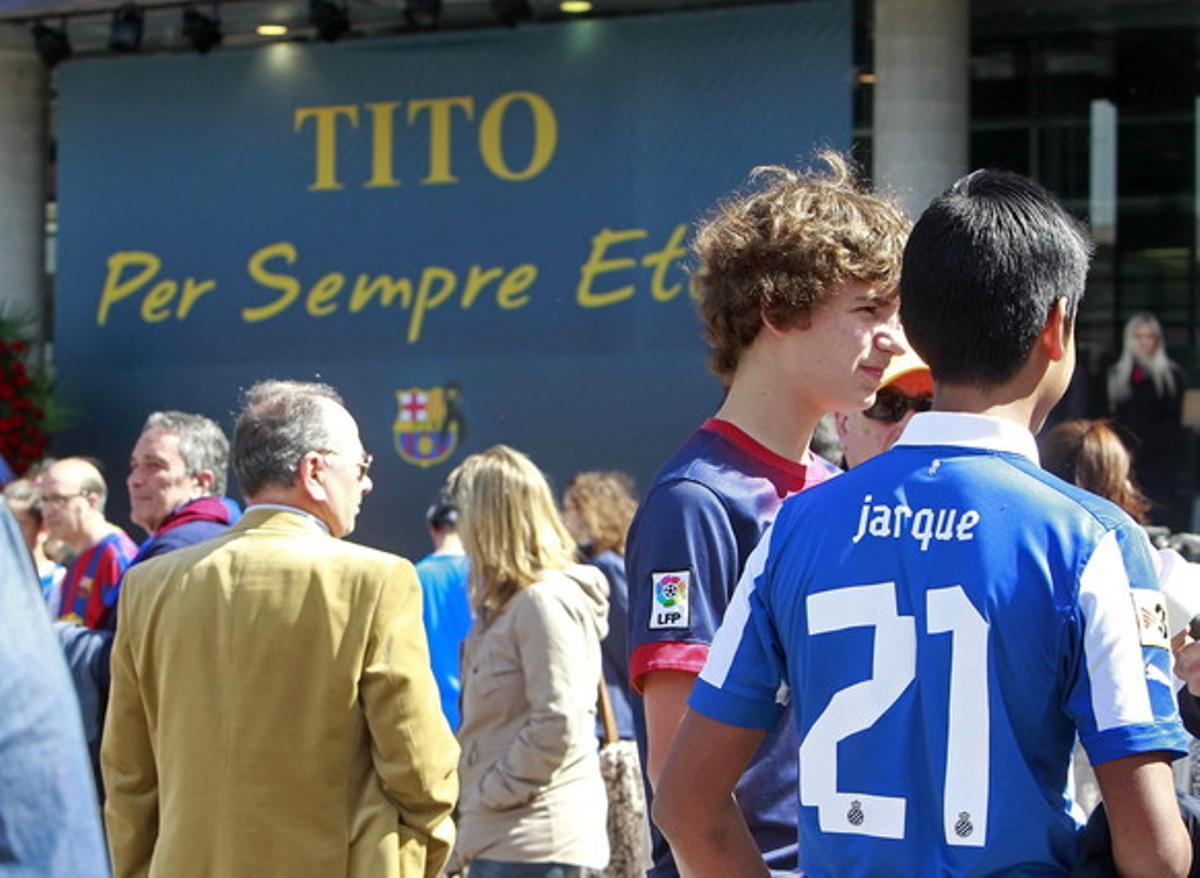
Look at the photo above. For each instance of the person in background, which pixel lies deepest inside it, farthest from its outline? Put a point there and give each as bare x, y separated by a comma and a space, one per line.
25, 502
49, 817
533, 801
1091, 455
597, 510
272, 710
796, 284
177, 476
73, 498
445, 606
1145, 396
907, 388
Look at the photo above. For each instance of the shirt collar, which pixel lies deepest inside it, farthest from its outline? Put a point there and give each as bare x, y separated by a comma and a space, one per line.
970, 431
281, 507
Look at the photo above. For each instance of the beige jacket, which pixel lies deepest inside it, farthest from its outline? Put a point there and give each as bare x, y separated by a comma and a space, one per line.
273, 713
530, 776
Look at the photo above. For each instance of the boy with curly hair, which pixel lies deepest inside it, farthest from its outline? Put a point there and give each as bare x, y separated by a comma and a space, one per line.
796, 284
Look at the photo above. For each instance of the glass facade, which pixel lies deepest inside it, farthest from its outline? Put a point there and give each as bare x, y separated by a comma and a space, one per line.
1099, 103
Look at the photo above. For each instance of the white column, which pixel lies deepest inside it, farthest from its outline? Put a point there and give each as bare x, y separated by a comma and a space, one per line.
23, 159
922, 90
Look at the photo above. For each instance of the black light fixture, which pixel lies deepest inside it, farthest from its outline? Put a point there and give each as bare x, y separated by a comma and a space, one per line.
202, 31
512, 12
126, 32
51, 43
330, 19
422, 14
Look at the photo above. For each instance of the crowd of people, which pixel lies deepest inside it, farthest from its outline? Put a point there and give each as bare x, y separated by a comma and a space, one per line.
881, 671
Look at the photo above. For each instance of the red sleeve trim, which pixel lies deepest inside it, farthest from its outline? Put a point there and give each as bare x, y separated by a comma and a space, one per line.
667, 656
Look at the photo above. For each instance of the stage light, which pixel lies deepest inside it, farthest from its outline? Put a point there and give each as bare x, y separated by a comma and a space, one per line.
423, 14
126, 32
202, 31
575, 7
511, 12
51, 43
271, 30
330, 19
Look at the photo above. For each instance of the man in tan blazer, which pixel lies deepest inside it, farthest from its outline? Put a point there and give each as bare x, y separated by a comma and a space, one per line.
273, 712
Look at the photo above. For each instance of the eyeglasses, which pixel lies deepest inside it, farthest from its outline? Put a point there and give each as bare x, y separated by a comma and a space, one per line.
890, 407
61, 499
364, 462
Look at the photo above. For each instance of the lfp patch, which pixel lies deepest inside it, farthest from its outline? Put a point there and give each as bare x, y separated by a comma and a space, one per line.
1151, 610
669, 606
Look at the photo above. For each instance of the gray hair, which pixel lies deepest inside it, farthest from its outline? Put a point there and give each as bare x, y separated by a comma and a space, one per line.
280, 422
202, 444
22, 495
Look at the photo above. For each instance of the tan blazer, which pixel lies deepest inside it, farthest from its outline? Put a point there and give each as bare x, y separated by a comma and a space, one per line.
531, 784
273, 713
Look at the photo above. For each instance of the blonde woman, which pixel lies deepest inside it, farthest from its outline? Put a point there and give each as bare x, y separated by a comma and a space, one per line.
533, 802
1145, 392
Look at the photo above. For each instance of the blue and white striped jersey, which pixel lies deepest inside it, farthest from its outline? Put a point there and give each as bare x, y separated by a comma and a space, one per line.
942, 620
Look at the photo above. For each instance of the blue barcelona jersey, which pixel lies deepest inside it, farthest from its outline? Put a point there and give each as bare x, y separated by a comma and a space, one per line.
942, 621
687, 546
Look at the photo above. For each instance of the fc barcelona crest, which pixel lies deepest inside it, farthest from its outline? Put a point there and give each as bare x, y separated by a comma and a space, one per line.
428, 424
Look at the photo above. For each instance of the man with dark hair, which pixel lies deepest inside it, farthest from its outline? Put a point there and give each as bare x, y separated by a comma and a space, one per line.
272, 709
796, 284
943, 620
445, 607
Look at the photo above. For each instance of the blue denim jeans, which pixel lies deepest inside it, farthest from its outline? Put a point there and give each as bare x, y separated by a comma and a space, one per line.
500, 869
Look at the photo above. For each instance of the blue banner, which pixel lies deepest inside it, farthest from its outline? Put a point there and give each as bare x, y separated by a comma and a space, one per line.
476, 237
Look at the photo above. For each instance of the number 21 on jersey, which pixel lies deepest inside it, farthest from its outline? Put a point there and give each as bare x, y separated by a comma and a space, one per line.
858, 707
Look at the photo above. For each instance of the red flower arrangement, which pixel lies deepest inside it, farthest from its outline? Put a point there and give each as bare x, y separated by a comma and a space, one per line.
23, 403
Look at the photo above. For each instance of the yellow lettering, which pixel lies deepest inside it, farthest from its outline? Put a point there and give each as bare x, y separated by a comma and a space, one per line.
545, 135
155, 306
661, 261
516, 282
288, 286
319, 302
440, 117
326, 141
116, 289
192, 290
477, 279
382, 126
425, 302
597, 264
387, 288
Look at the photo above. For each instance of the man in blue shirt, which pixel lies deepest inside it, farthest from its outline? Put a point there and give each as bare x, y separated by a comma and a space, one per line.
445, 607
944, 619
796, 284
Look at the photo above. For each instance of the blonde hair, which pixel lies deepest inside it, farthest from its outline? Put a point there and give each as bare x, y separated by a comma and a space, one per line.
781, 250
603, 504
509, 525
1157, 366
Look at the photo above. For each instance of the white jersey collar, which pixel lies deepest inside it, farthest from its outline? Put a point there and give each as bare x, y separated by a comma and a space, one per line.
970, 431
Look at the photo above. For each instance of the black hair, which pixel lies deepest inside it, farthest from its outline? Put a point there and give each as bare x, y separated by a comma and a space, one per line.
983, 267
442, 513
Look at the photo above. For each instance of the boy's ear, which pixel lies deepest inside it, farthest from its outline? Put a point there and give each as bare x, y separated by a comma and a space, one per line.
1055, 337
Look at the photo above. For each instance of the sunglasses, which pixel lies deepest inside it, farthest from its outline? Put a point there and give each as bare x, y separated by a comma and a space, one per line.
364, 462
890, 407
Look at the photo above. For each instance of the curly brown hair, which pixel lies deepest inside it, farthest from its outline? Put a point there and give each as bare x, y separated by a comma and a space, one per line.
599, 507
778, 251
